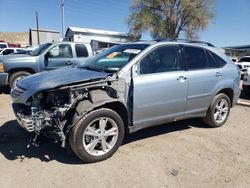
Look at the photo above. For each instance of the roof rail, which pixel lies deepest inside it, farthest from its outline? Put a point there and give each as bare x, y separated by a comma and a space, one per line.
188, 41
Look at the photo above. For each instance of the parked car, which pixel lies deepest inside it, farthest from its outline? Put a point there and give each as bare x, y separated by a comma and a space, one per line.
24, 51
47, 57
3, 45
128, 87
246, 81
244, 64
10, 50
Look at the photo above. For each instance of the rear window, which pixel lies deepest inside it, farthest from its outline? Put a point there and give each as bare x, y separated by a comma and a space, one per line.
245, 59
81, 50
196, 58
210, 60
220, 62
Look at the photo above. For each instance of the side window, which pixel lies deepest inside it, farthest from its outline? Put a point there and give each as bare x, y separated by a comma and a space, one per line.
219, 60
195, 58
7, 51
61, 51
162, 59
3, 46
210, 60
81, 50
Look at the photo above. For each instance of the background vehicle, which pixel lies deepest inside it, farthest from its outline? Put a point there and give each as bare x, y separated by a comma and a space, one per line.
246, 81
244, 64
23, 51
3, 45
127, 87
47, 57
8, 51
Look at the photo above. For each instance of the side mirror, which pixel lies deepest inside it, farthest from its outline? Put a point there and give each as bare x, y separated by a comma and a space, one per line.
47, 55
46, 58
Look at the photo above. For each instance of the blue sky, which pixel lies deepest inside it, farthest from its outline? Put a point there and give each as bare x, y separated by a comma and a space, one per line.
231, 25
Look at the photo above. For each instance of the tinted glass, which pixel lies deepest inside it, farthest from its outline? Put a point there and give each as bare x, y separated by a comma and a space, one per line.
195, 58
61, 51
210, 61
245, 59
220, 62
3, 46
163, 59
7, 51
81, 50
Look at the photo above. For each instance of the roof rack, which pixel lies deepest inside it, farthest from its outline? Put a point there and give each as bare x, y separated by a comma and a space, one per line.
188, 41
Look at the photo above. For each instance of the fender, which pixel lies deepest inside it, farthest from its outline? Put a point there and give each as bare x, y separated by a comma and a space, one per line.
97, 98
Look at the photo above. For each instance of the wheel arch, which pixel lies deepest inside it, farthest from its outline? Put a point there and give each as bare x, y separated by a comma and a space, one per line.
99, 98
229, 92
14, 70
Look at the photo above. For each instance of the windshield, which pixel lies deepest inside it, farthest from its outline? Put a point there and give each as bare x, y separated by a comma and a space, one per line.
113, 59
40, 49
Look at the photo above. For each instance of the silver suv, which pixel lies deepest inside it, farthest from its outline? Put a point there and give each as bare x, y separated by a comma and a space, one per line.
124, 89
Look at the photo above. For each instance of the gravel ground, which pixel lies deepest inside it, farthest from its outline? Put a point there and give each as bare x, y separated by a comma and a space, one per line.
182, 154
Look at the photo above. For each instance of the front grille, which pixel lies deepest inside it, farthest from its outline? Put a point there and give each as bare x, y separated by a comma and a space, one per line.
16, 92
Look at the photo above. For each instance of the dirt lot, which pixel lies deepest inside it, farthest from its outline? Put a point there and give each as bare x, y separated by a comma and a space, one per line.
183, 154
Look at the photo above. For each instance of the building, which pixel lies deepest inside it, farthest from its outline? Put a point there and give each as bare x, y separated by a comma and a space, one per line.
44, 36
237, 51
98, 39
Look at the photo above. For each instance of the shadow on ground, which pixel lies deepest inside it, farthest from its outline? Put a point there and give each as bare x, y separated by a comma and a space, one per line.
4, 90
14, 140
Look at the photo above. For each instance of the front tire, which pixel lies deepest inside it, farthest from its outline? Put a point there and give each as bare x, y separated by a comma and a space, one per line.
16, 77
97, 136
218, 111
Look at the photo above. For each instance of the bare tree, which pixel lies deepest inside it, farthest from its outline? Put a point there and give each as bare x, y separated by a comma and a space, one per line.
170, 18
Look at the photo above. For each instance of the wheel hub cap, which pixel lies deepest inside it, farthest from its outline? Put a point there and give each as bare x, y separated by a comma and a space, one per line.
100, 136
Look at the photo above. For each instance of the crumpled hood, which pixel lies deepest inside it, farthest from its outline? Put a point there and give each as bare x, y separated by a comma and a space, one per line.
55, 78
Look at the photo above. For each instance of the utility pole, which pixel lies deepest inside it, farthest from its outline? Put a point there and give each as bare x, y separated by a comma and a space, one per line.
37, 29
62, 6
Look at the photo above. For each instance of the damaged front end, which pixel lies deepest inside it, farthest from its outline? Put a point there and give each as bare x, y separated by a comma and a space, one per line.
46, 113
53, 113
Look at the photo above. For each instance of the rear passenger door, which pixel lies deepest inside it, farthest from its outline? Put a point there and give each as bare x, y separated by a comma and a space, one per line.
203, 76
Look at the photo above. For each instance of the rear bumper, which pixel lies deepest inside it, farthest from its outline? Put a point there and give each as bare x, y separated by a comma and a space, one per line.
4, 79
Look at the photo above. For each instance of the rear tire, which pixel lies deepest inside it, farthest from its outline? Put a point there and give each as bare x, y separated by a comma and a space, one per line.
219, 110
97, 135
17, 76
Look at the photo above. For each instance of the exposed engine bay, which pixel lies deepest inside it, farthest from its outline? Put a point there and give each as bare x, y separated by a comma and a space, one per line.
52, 113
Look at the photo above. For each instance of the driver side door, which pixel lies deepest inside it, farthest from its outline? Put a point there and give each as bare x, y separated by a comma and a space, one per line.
160, 87
60, 55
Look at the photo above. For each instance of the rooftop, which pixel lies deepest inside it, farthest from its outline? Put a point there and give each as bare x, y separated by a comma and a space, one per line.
96, 31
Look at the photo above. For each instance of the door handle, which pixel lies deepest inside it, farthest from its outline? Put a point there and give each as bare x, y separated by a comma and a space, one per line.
218, 74
182, 78
69, 63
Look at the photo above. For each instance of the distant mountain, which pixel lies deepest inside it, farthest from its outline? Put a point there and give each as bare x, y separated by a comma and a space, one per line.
15, 37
